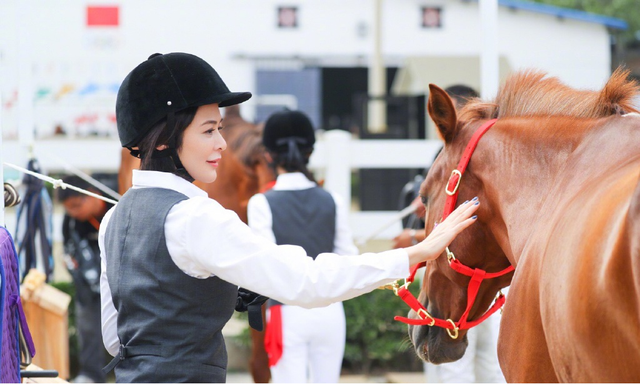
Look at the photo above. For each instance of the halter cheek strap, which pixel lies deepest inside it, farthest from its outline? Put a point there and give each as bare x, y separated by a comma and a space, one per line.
477, 275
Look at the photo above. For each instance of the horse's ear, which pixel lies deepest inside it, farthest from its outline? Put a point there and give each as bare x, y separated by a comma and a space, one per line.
442, 112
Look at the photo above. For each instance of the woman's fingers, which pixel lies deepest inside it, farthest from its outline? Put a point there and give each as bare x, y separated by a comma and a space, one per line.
463, 212
444, 233
451, 227
464, 224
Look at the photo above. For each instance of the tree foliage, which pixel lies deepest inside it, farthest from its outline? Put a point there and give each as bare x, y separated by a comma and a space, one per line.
627, 10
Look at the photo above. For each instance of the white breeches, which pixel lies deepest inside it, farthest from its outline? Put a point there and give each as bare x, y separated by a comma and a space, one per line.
313, 345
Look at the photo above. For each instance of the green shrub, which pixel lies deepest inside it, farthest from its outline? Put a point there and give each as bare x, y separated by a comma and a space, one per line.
375, 341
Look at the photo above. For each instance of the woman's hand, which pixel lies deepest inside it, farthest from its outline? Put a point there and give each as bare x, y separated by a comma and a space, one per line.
444, 233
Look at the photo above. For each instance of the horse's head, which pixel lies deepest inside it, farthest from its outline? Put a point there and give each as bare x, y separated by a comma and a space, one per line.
444, 291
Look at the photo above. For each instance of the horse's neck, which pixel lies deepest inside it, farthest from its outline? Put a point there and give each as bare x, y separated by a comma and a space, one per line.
528, 167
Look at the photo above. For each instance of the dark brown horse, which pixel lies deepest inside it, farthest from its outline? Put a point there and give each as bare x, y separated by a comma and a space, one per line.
242, 173
558, 180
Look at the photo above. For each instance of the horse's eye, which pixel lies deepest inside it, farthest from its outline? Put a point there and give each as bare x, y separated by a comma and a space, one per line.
424, 199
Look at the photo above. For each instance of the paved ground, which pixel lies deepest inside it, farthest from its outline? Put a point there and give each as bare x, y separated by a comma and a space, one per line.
391, 377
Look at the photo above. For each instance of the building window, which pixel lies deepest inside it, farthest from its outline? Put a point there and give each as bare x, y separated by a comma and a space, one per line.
287, 17
431, 17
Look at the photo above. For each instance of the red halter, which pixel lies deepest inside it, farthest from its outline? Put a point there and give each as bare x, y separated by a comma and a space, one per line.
477, 275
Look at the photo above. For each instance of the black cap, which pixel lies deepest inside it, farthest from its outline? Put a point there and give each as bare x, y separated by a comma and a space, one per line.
286, 125
166, 84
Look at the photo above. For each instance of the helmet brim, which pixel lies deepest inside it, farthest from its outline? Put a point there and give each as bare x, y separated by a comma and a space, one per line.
233, 98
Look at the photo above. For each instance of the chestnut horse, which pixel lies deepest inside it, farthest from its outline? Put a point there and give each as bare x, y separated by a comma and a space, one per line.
558, 180
242, 173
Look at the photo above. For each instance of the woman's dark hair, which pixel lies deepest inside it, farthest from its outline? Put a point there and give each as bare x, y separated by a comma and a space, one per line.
294, 160
162, 134
289, 137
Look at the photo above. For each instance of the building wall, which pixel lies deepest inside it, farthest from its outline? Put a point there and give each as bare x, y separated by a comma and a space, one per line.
237, 37
575, 51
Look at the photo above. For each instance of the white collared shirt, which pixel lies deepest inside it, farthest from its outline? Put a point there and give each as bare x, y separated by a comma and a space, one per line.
261, 219
204, 240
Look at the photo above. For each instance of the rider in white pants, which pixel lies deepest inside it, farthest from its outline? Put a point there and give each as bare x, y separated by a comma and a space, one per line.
302, 344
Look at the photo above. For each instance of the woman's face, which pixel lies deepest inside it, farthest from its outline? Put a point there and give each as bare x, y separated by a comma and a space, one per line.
202, 144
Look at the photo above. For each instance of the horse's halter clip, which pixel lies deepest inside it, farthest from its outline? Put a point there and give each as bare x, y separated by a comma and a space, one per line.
477, 275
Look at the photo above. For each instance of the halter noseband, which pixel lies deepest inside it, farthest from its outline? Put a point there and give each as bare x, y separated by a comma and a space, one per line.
477, 275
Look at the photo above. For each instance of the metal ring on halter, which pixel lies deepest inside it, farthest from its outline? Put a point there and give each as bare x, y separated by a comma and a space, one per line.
397, 287
426, 315
452, 333
450, 256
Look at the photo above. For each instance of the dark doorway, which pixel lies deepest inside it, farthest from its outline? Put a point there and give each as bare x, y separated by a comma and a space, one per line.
339, 86
344, 106
342, 88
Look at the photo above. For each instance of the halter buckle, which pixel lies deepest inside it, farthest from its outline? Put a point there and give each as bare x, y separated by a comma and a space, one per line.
424, 315
452, 333
455, 189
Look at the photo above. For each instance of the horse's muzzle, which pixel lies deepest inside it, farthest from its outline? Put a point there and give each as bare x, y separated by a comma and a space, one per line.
433, 345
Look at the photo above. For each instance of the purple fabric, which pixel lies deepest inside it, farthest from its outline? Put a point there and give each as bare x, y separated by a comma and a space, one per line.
11, 310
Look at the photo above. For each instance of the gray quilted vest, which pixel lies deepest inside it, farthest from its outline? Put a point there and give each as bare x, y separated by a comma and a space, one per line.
169, 324
304, 217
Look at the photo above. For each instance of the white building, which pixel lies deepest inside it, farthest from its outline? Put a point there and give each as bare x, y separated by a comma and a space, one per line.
62, 61
72, 69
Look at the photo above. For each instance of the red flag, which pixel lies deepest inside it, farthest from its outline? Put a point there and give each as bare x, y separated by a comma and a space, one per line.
101, 16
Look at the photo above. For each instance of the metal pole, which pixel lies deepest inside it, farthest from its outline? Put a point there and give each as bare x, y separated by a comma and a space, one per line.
25, 74
489, 60
377, 111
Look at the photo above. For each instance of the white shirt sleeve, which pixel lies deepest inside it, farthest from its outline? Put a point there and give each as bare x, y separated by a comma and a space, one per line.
260, 217
218, 243
343, 242
109, 315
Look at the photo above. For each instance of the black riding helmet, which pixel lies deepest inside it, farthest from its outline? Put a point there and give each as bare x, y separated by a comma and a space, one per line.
289, 137
286, 127
163, 85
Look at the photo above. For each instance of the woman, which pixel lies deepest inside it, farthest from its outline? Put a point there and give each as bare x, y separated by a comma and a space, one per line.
300, 341
172, 258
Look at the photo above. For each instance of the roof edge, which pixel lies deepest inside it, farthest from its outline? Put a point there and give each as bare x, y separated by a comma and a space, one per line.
568, 13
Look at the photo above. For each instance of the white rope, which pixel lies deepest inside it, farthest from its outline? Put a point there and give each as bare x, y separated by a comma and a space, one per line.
399, 216
85, 177
57, 183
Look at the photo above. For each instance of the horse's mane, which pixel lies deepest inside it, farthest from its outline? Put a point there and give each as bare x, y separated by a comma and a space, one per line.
533, 93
